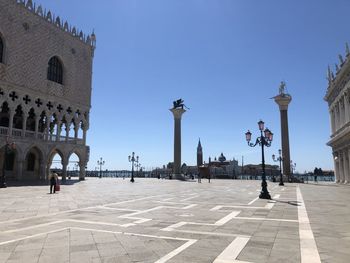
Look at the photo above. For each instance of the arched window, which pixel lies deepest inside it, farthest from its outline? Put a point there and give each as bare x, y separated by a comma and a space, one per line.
55, 70
1, 50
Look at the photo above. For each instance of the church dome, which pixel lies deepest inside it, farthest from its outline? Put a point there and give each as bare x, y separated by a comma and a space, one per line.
222, 158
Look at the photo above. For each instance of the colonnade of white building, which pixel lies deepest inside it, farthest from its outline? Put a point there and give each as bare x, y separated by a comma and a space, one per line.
339, 112
340, 118
342, 166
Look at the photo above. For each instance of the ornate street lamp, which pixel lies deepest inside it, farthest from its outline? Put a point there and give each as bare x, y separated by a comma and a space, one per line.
279, 159
9, 146
263, 140
132, 159
100, 163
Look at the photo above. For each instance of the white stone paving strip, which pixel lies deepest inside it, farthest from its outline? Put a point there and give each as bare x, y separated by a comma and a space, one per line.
78, 209
189, 198
163, 259
227, 218
308, 249
176, 251
253, 201
267, 219
31, 236
33, 227
232, 251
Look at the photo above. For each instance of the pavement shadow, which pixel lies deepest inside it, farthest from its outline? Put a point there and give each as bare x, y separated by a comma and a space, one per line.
294, 203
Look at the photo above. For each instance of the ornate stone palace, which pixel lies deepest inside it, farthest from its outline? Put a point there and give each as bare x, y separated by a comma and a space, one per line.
338, 99
45, 91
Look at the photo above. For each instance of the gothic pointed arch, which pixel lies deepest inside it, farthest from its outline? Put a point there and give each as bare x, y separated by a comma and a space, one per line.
33, 162
18, 118
4, 114
55, 70
31, 120
77, 153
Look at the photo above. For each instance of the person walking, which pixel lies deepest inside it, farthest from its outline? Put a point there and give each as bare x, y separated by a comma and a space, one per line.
52, 183
316, 172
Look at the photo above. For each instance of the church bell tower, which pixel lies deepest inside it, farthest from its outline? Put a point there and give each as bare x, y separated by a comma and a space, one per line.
199, 154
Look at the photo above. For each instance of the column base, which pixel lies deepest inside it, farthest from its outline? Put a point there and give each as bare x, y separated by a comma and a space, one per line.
180, 177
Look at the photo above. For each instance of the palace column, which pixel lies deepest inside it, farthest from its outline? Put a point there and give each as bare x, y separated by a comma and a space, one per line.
177, 112
76, 129
336, 166
346, 107
37, 119
24, 123
331, 113
336, 116
67, 131
43, 175
59, 128
283, 101
347, 166
85, 128
81, 171
19, 169
64, 163
342, 112
12, 114
341, 168
48, 122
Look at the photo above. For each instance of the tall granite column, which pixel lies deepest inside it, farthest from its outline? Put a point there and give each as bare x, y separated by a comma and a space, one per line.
177, 112
283, 101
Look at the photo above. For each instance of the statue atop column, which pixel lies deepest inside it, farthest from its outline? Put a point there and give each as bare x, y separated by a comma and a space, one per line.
282, 90
179, 104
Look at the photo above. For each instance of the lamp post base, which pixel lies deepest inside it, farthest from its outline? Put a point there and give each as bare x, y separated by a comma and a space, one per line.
281, 183
132, 180
265, 195
179, 177
3, 185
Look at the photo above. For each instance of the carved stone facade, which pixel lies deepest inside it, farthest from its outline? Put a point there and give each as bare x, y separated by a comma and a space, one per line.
45, 90
338, 98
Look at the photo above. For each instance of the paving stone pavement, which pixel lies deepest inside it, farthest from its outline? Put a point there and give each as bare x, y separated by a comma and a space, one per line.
151, 220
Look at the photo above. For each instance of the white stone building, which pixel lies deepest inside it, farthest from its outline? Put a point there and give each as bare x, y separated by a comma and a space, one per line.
338, 99
45, 90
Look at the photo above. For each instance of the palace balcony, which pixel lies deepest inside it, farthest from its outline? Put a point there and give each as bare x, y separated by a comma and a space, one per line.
31, 135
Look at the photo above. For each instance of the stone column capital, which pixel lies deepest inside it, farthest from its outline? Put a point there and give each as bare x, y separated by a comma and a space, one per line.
283, 101
177, 112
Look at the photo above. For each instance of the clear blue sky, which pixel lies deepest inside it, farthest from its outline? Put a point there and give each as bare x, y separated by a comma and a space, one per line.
225, 58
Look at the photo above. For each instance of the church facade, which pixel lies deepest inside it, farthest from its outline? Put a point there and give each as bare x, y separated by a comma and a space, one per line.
45, 91
338, 99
